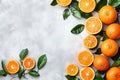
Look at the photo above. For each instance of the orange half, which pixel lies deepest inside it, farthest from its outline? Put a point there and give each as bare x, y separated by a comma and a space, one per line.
64, 2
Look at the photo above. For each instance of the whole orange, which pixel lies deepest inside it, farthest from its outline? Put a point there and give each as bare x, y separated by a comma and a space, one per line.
113, 74
101, 63
109, 47
113, 31
107, 14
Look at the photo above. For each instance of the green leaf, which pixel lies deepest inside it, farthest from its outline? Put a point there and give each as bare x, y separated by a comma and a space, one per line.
76, 13
2, 73
74, 4
3, 67
100, 4
41, 61
114, 3
34, 73
98, 76
104, 36
77, 29
20, 73
86, 15
71, 77
66, 14
116, 63
116, 57
118, 9
23, 54
98, 51
53, 3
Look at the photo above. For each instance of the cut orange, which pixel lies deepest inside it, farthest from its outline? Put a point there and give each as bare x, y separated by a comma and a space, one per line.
93, 25
64, 2
12, 66
87, 5
87, 73
72, 69
90, 41
28, 63
85, 58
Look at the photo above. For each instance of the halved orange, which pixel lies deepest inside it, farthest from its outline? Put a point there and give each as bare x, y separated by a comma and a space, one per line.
87, 73
63, 2
87, 5
72, 69
28, 63
12, 66
85, 58
90, 41
93, 25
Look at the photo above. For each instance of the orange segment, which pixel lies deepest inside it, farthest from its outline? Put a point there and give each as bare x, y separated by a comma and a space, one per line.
90, 41
28, 63
12, 66
87, 5
93, 25
87, 73
64, 2
72, 69
85, 58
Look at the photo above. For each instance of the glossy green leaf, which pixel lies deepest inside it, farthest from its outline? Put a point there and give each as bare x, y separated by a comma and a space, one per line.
118, 9
104, 36
100, 4
34, 73
74, 4
76, 13
98, 51
86, 15
98, 76
41, 61
3, 67
20, 73
114, 3
53, 3
77, 29
3, 73
23, 54
117, 56
66, 14
71, 77
116, 63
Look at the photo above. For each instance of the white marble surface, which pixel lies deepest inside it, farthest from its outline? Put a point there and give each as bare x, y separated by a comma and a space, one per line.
36, 25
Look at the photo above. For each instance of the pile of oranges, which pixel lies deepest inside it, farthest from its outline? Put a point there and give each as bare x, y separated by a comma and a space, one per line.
109, 48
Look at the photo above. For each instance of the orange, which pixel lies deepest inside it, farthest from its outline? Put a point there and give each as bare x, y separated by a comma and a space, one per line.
109, 47
101, 63
85, 58
107, 14
113, 31
12, 66
87, 73
64, 2
93, 25
87, 6
28, 63
72, 69
113, 74
90, 41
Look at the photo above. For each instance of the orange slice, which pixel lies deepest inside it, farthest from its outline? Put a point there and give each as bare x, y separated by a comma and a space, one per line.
87, 5
85, 58
93, 25
90, 41
28, 63
64, 2
72, 69
12, 66
87, 73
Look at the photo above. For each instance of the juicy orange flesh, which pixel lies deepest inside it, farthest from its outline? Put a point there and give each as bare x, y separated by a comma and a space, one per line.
87, 74
63, 2
85, 58
12, 67
29, 63
72, 69
93, 25
90, 41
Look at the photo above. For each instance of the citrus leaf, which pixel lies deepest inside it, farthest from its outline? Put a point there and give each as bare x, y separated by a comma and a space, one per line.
3, 67
116, 57
76, 13
77, 29
2, 73
98, 76
104, 36
71, 77
34, 73
98, 51
53, 3
74, 4
20, 73
118, 9
114, 3
41, 61
66, 14
23, 54
100, 4
116, 63
86, 15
